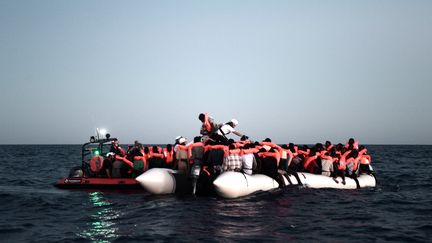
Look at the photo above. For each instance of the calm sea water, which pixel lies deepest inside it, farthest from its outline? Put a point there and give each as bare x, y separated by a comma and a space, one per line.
32, 210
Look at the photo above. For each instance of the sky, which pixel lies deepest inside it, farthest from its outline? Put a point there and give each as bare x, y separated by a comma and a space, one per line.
292, 71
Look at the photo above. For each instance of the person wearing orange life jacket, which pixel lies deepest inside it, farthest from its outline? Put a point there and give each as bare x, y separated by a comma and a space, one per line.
327, 164
156, 158
328, 145
365, 161
267, 144
232, 162
339, 168
215, 156
310, 164
352, 144
136, 155
181, 156
208, 126
284, 151
196, 156
169, 156
353, 161
269, 162
249, 163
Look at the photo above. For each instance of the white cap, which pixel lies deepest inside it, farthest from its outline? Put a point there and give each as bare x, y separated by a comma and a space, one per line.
182, 140
234, 122
110, 154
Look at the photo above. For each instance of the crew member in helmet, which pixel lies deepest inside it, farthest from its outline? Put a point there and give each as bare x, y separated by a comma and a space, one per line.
226, 129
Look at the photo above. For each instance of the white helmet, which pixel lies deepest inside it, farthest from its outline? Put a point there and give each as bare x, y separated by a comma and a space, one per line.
182, 140
234, 122
110, 154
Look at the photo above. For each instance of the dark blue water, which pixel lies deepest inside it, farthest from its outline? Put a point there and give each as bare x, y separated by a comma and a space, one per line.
399, 209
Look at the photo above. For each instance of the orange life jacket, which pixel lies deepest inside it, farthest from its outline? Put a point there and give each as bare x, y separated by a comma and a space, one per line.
275, 155
169, 156
329, 147
126, 161
341, 165
355, 144
156, 155
194, 145
235, 151
365, 160
310, 163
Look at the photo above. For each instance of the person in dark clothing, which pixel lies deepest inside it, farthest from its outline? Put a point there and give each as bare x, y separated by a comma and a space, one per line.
107, 165
115, 148
155, 160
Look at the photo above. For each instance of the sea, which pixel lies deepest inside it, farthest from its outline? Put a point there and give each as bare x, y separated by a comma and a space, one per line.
399, 209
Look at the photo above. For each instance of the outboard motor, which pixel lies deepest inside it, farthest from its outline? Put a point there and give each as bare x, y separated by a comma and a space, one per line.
76, 172
194, 174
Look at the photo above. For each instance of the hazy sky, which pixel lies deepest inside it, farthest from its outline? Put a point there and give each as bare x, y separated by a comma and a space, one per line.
294, 71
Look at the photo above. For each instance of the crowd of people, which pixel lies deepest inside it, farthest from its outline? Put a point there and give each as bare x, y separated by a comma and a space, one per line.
214, 153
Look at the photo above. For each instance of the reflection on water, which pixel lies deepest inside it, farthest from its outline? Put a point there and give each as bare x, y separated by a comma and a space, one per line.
239, 218
102, 227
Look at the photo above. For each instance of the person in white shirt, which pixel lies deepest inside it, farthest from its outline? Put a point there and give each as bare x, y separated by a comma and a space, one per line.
226, 129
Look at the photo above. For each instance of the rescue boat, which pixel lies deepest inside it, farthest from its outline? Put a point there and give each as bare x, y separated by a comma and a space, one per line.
85, 176
98, 183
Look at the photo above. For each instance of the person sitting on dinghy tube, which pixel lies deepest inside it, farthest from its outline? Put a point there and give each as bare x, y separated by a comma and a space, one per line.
226, 129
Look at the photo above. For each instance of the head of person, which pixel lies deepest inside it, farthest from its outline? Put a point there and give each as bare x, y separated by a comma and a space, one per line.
351, 141
244, 138
155, 149
233, 122
284, 146
267, 140
182, 141
354, 153
146, 150
312, 152
115, 143
197, 139
327, 144
110, 155
231, 141
201, 117
177, 139
169, 147
231, 147
246, 146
